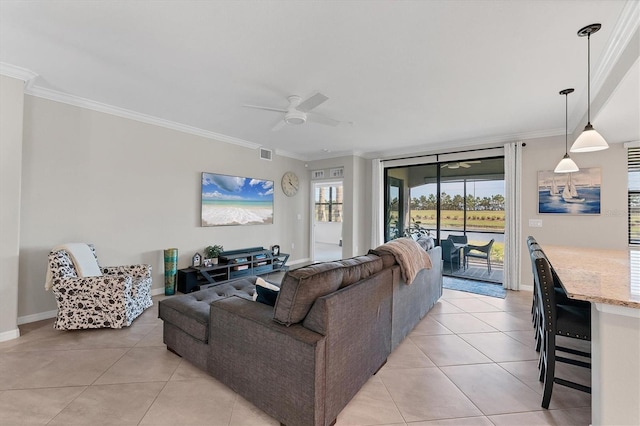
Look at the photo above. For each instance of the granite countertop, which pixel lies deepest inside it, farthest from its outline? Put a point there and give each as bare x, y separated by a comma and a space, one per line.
598, 275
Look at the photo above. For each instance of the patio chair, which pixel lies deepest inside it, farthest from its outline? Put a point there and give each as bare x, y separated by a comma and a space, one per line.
450, 253
478, 252
459, 239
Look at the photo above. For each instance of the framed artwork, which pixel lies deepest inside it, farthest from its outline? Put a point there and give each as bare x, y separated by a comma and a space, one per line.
570, 193
236, 200
275, 250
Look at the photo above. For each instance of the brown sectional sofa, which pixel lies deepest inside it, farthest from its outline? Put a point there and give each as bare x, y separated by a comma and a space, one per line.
333, 326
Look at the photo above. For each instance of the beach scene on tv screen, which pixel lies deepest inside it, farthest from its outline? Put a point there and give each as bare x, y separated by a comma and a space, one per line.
235, 200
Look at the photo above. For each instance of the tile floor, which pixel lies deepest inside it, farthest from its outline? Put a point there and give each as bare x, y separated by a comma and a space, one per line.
470, 361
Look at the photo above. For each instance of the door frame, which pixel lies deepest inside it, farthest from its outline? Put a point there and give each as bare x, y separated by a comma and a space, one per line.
312, 216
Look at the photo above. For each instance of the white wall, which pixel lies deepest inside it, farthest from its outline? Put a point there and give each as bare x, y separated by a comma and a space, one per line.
133, 189
11, 107
607, 230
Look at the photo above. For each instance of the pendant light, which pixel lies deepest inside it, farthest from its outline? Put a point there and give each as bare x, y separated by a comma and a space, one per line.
566, 165
589, 140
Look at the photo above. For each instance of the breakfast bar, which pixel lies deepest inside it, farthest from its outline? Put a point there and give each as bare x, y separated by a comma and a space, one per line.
610, 280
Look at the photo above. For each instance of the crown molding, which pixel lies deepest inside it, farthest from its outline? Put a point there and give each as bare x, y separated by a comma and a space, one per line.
54, 95
464, 143
621, 35
17, 72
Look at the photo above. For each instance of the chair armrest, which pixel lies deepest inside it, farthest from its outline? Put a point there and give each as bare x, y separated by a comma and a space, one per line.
137, 271
279, 369
470, 247
117, 287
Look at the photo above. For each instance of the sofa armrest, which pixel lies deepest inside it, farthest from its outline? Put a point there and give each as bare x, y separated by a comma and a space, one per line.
279, 369
138, 272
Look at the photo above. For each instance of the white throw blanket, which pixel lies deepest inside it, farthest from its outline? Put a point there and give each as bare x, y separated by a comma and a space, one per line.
409, 255
83, 260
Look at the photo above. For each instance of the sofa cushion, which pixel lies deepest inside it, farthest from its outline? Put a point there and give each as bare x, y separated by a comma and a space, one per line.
190, 312
360, 268
301, 287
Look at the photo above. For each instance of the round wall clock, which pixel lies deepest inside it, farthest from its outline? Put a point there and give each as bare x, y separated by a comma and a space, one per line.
290, 184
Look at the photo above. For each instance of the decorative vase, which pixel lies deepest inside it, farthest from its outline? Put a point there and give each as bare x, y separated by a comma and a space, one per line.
170, 270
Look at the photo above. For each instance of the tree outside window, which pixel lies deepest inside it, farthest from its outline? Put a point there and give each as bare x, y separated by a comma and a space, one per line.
328, 203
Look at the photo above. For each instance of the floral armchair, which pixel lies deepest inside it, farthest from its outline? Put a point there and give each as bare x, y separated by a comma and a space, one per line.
113, 300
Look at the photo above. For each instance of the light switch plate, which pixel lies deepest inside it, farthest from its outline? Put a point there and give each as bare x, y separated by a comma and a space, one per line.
535, 223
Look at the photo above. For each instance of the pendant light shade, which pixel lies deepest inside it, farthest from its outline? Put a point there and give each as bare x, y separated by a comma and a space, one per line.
566, 165
589, 140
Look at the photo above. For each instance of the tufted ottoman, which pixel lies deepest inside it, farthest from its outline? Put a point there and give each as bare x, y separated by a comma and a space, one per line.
186, 317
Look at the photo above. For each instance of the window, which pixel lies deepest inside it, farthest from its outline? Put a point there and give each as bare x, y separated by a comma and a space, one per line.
634, 196
328, 203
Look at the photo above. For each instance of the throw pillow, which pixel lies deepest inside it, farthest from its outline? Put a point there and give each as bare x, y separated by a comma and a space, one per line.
426, 243
266, 295
262, 283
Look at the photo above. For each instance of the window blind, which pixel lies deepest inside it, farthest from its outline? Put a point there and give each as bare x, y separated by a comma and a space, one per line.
633, 160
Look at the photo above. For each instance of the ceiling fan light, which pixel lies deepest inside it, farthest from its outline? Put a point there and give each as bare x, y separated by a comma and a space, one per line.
295, 117
566, 165
589, 140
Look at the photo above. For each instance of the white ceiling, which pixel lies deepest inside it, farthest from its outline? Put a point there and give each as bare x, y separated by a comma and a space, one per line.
410, 75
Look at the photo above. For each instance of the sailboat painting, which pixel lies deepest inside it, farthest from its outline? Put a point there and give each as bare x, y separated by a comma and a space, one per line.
570, 193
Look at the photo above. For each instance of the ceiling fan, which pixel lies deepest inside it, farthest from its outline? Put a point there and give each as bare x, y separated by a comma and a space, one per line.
299, 111
458, 164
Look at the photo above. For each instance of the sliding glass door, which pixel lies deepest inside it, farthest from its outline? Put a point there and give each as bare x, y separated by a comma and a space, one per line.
462, 199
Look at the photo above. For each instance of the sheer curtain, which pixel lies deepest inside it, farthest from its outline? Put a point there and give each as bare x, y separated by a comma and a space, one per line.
377, 199
512, 232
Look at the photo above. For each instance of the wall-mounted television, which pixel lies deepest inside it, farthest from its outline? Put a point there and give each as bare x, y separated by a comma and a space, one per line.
235, 200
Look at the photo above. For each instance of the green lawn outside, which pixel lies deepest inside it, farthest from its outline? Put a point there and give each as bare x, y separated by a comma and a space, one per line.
454, 219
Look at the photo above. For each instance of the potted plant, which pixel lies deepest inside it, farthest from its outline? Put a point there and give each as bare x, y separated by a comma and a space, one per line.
213, 252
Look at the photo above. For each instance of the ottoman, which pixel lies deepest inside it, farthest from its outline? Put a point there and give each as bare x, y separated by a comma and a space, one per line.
186, 318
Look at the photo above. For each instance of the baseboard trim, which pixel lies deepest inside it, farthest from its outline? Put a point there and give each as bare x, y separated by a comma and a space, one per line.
37, 317
157, 291
10, 335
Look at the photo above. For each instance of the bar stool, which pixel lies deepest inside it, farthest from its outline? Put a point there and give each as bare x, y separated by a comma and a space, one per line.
558, 320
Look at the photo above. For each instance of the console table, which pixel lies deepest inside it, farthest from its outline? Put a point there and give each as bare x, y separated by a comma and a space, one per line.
232, 264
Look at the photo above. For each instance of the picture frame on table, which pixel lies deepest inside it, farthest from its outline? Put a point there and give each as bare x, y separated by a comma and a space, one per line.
275, 250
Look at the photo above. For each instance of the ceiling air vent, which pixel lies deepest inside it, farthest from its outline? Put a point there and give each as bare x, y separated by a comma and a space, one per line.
266, 154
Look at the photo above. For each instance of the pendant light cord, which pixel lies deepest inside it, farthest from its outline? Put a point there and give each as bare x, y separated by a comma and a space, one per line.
566, 124
589, 78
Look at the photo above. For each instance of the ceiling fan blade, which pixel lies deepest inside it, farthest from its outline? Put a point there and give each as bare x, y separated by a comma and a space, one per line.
465, 165
311, 102
279, 125
444, 165
265, 108
322, 119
